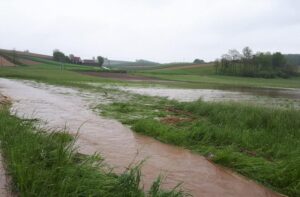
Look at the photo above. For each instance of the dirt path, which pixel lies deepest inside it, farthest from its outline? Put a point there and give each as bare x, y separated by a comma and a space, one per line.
58, 107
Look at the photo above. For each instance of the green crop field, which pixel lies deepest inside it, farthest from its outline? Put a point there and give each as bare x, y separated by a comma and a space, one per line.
204, 76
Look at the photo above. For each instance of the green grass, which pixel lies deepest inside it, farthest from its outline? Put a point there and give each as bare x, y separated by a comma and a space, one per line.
50, 74
46, 164
202, 77
260, 143
205, 77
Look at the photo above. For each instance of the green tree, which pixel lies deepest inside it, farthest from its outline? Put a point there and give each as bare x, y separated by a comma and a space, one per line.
278, 60
100, 60
198, 61
247, 53
14, 56
264, 60
59, 56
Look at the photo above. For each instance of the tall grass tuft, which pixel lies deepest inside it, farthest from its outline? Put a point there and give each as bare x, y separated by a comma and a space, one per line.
46, 164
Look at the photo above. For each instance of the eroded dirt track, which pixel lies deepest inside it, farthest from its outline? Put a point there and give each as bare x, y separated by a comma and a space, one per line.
57, 107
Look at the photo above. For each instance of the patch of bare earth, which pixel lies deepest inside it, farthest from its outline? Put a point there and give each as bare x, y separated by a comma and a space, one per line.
186, 67
119, 76
172, 120
28, 62
5, 62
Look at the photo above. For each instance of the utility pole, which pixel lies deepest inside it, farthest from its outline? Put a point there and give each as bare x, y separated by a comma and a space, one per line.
14, 56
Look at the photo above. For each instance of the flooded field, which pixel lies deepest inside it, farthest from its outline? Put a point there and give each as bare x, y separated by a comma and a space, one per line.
286, 98
60, 108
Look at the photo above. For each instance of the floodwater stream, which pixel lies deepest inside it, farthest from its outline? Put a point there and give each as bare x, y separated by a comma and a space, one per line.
59, 107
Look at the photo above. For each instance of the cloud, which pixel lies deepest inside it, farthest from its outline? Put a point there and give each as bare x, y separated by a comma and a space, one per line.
160, 30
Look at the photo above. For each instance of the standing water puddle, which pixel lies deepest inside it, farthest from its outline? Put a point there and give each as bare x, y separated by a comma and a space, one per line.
58, 106
285, 98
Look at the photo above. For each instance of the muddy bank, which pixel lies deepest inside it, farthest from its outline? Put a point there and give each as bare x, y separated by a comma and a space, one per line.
58, 107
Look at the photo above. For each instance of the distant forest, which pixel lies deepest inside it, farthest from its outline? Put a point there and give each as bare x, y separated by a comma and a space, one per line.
293, 59
260, 64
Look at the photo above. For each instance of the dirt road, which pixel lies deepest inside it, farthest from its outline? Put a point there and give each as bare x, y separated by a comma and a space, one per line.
57, 107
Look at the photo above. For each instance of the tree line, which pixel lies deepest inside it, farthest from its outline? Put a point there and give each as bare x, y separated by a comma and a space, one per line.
260, 64
61, 57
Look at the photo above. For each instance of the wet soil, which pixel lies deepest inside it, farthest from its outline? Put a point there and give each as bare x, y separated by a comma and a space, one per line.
119, 76
58, 107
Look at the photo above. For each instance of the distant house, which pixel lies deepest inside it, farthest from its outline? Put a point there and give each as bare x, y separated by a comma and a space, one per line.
75, 60
90, 62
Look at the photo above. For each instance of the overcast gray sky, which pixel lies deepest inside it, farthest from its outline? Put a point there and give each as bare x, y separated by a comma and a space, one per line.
158, 30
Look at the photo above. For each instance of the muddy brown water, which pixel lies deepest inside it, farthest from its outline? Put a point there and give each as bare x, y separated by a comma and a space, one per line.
58, 107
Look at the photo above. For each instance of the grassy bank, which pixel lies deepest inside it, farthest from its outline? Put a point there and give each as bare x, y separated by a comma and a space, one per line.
46, 164
260, 143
